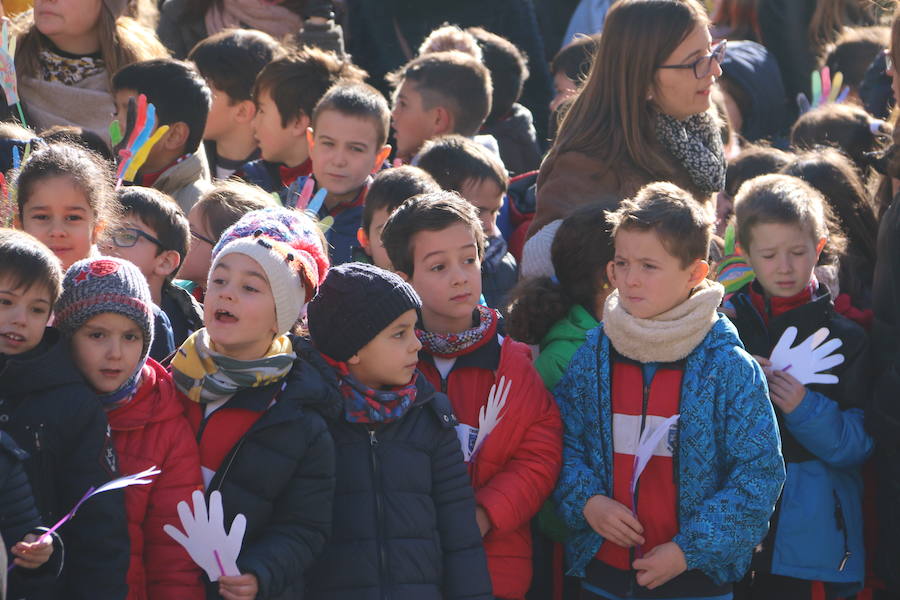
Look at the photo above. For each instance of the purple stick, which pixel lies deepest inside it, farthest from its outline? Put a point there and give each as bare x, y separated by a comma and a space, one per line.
219, 562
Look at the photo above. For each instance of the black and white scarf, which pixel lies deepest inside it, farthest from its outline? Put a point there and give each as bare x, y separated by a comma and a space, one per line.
697, 144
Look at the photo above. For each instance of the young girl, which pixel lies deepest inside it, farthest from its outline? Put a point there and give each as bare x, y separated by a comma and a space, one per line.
67, 53
261, 445
558, 312
216, 211
816, 533
105, 312
65, 197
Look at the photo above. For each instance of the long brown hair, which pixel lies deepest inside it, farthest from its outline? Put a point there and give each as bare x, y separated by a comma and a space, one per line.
611, 117
123, 41
831, 16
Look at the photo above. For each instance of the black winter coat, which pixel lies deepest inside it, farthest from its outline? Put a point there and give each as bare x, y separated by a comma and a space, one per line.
52, 414
404, 509
280, 475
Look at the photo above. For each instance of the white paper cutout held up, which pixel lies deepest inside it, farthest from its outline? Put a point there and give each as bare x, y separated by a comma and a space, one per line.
204, 537
808, 360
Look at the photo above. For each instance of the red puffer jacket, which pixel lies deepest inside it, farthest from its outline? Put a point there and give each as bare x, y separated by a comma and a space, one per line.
516, 468
151, 430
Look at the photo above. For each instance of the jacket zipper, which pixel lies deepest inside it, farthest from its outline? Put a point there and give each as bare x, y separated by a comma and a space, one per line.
842, 527
231, 458
379, 510
637, 486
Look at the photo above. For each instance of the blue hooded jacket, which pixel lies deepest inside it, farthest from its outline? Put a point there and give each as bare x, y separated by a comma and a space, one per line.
754, 70
730, 469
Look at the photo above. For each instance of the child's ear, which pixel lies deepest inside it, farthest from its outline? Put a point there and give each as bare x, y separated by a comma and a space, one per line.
167, 262
699, 271
381, 157
363, 239
246, 111
820, 246
611, 273
99, 226
353, 360
402, 276
443, 121
300, 125
310, 138
17, 222
176, 137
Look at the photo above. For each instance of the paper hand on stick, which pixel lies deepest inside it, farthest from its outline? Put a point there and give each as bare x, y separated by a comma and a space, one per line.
8, 65
808, 360
650, 439
139, 137
825, 89
490, 414
204, 537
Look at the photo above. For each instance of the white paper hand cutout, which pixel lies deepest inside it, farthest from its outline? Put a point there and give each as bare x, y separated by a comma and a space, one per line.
807, 360
204, 535
489, 416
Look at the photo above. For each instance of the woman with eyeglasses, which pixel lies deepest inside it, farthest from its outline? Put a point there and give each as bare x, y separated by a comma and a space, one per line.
641, 116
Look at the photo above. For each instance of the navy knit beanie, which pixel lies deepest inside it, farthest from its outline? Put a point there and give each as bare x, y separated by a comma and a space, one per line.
355, 303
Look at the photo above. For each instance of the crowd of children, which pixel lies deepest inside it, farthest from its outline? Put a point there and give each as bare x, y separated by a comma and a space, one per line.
407, 347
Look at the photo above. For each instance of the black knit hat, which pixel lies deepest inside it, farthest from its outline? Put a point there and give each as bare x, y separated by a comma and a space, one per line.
354, 304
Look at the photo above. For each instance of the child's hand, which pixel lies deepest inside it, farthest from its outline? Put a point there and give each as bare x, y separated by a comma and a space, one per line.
763, 362
238, 587
30, 554
786, 392
613, 521
661, 564
484, 522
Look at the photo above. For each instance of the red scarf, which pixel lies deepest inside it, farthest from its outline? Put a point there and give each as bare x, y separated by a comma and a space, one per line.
289, 174
775, 306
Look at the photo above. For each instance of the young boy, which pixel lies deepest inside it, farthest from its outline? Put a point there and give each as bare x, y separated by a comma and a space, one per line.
55, 417
176, 165
262, 444
363, 323
436, 94
436, 243
229, 61
105, 313
286, 92
154, 235
461, 165
347, 143
666, 378
389, 189
509, 122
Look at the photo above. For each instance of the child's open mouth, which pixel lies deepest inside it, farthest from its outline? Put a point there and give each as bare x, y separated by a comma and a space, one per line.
13, 338
223, 316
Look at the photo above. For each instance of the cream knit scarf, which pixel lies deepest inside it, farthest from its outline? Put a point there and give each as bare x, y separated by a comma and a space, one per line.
668, 337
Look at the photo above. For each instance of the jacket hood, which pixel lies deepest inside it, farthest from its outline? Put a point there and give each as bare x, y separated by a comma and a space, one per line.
47, 366
754, 69
571, 328
518, 124
155, 400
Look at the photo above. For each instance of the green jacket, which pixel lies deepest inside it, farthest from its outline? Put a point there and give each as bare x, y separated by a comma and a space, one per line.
561, 342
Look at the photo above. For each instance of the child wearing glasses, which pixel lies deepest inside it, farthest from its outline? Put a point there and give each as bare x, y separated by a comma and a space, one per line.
65, 197
154, 234
216, 211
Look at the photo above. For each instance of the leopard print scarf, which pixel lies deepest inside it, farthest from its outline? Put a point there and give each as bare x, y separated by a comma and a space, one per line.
697, 145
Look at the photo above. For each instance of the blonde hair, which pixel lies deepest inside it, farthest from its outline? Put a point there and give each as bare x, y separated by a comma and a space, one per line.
123, 41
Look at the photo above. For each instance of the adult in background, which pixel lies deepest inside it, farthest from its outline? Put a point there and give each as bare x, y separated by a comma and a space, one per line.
642, 115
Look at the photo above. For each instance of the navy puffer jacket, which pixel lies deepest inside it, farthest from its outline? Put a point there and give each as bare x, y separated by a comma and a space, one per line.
404, 510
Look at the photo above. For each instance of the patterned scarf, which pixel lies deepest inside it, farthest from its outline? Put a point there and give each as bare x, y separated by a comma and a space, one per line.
448, 345
68, 70
204, 375
697, 145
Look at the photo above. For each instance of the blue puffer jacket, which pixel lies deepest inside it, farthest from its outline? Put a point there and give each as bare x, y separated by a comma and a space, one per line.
819, 518
730, 469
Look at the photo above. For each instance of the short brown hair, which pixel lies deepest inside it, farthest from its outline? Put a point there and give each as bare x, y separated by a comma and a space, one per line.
228, 201
163, 215
753, 161
392, 187
789, 200
357, 99
453, 160
231, 60
843, 126
28, 262
297, 81
427, 212
679, 221
454, 80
